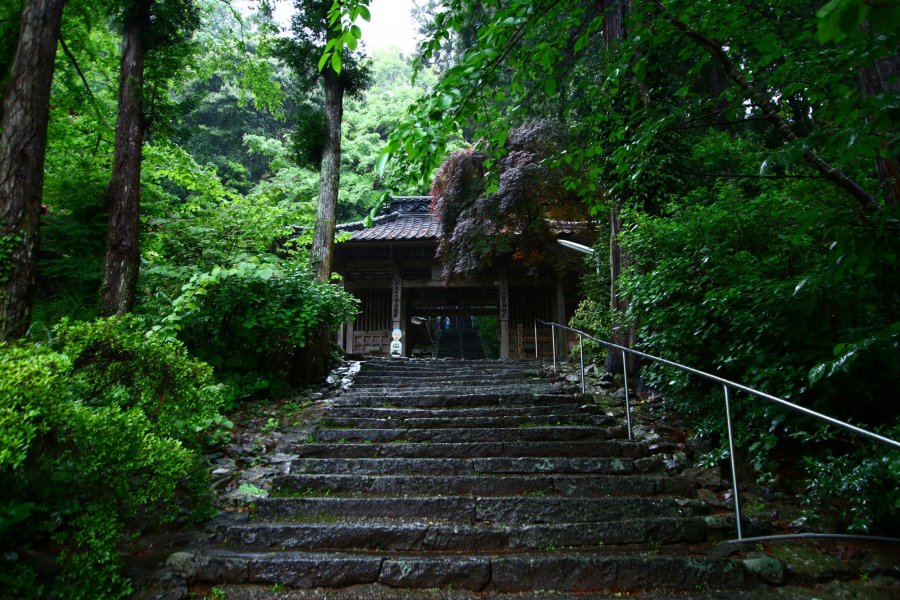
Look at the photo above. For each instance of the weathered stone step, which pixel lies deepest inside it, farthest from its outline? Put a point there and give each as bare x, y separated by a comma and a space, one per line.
335, 422
431, 377
445, 363
572, 486
443, 400
474, 466
472, 434
518, 394
376, 412
386, 376
464, 509
603, 448
419, 536
561, 571
450, 388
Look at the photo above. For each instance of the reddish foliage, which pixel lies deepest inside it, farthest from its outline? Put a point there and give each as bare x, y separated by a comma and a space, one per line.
516, 221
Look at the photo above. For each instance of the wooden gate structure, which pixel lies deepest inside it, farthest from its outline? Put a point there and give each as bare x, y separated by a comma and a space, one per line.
392, 269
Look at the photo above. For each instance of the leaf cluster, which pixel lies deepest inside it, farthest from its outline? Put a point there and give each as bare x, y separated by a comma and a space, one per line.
517, 218
98, 439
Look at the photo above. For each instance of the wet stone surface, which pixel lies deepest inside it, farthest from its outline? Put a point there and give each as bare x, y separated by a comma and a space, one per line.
445, 479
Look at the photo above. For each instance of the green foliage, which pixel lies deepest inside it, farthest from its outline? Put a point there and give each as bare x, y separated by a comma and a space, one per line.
733, 282
250, 320
116, 365
745, 261
224, 274
93, 446
862, 487
488, 330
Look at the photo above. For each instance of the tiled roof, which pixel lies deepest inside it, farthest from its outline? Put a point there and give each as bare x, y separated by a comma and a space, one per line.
396, 226
407, 218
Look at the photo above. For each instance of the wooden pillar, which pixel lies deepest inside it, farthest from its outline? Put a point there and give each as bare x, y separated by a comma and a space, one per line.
562, 346
504, 315
342, 330
349, 347
397, 303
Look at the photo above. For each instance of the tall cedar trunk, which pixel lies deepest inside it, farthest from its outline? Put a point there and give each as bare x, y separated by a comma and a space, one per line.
313, 360
623, 334
123, 195
23, 142
329, 181
884, 76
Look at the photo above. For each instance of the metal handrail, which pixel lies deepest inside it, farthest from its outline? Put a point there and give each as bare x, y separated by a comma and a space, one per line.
727, 385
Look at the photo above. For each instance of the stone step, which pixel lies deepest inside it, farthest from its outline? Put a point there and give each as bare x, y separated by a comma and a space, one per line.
603, 448
464, 509
576, 572
416, 378
376, 412
435, 399
392, 375
572, 486
427, 537
489, 389
472, 434
474, 466
452, 385
336, 422
442, 363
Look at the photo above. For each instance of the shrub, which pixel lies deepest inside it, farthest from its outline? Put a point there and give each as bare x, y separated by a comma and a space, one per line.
95, 440
732, 281
249, 321
115, 364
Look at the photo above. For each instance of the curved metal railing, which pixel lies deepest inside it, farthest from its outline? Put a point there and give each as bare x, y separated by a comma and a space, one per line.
728, 386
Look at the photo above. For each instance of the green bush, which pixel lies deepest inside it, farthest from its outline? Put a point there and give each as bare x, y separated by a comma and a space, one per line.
94, 447
861, 487
778, 285
116, 364
251, 320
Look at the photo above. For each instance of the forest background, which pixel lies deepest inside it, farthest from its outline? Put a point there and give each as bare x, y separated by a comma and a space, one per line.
740, 159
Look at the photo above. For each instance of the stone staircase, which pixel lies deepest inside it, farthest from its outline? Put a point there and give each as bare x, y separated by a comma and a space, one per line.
465, 475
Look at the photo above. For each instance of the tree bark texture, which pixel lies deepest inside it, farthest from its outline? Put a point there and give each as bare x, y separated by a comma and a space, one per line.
23, 143
329, 181
881, 77
123, 195
623, 334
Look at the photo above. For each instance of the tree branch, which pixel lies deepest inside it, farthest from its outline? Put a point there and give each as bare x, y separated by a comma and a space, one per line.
866, 201
87, 87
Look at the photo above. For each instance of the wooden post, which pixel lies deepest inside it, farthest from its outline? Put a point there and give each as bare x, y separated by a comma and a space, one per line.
397, 302
504, 315
349, 347
560, 317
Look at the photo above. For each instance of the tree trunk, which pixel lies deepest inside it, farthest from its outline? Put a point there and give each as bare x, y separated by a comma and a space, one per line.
123, 195
884, 76
23, 143
313, 360
329, 181
623, 333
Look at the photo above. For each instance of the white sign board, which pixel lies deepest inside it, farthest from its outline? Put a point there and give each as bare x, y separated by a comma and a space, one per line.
396, 349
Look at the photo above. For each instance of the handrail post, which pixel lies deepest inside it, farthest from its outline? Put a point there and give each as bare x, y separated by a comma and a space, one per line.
734, 479
535, 340
627, 399
581, 351
553, 340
